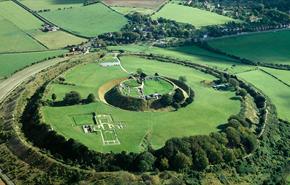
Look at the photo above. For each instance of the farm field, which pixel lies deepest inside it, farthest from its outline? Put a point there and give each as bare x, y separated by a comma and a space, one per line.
87, 21
278, 92
136, 3
281, 74
194, 16
13, 39
51, 4
271, 47
191, 53
128, 10
57, 39
9, 63
157, 126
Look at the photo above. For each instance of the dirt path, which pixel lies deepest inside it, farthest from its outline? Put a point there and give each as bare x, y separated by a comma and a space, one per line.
8, 85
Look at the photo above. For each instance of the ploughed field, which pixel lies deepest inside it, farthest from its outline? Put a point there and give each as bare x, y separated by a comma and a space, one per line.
132, 130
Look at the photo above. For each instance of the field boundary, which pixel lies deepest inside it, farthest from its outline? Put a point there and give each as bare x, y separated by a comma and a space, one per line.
275, 77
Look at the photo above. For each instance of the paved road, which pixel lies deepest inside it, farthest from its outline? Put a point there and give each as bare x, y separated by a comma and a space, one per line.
8, 85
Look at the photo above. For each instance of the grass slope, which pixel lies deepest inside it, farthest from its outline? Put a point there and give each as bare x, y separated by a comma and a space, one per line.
271, 47
277, 91
129, 10
194, 16
157, 126
12, 62
88, 20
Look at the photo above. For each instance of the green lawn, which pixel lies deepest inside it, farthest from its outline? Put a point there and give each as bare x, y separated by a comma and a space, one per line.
12, 62
157, 86
51, 4
283, 75
272, 47
194, 16
275, 90
158, 126
191, 53
87, 20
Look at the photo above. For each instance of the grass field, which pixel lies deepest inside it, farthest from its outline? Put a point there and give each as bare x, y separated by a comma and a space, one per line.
191, 53
271, 47
15, 61
275, 90
87, 20
57, 39
13, 39
51, 4
157, 126
157, 86
136, 3
128, 10
194, 16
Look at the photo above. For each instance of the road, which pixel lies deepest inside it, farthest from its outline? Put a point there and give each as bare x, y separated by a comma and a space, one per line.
8, 85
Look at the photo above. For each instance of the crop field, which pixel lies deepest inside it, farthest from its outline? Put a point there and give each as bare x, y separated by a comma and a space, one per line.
193, 54
9, 63
271, 47
157, 126
51, 4
190, 15
87, 21
278, 92
136, 3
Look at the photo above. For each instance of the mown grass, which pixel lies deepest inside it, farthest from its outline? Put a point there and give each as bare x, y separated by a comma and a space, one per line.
158, 86
194, 16
87, 21
15, 61
271, 47
278, 92
158, 126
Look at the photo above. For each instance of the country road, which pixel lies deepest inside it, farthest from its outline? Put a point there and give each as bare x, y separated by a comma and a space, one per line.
8, 85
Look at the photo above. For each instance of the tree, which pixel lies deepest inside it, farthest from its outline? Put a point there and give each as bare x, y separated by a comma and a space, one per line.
145, 161
180, 161
182, 78
72, 98
242, 92
233, 136
53, 97
178, 96
166, 100
200, 160
234, 82
91, 98
164, 164
139, 71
